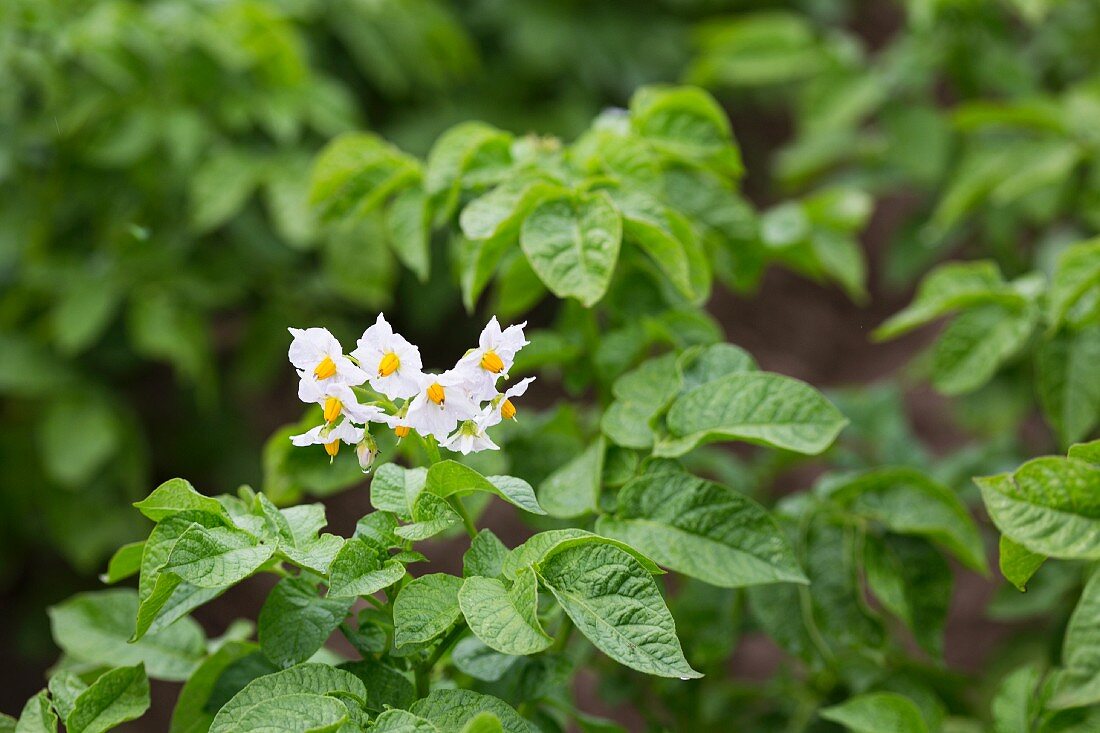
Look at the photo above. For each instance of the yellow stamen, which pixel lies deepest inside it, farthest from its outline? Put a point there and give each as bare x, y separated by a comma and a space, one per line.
491, 362
401, 431
390, 363
332, 448
325, 369
436, 393
507, 410
332, 408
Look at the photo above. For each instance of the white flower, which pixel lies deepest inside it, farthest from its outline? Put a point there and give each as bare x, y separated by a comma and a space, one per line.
339, 399
493, 357
442, 402
501, 406
392, 364
330, 436
471, 436
319, 360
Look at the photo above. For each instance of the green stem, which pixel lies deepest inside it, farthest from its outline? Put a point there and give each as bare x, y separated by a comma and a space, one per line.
565, 632
445, 646
432, 449
423, 681
424, 671
457, 505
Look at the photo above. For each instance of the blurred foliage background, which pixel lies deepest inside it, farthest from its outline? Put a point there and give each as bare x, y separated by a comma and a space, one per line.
155, 239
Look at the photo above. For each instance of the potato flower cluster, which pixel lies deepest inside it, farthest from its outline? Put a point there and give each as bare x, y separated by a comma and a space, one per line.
454, 408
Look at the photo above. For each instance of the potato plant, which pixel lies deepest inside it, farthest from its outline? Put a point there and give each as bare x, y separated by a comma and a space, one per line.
198, 122
969, 115
651, 547
154, 232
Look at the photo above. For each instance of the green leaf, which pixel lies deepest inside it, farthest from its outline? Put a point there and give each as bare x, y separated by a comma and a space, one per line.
757, 407
425, 608
447, 478
478, 261
216, 557
267, 697
574, 489
912, 581
627, 424
28, 368
300, 542
506, 619
875, 712
540, 546
115, 697
431, 515
702, 529
1018, 563
758, 49
483, 723
360, 569
688, 124
1068, 382
572, 243
294, 711
518, 289
165, 597
654, 382
449, 710
84, 311
394, 489
1077, 683
96, 627
377, 528
641, 394
355, 173
907, 502
77, 436
975, 345
500, 212
174, 496
834, 604
191, 714
703, 365
169, 600
37, 716
125, 562
408, 223
950, 287
1016, 706
1050, 506
614, 602
65, 686
358, 267
286, 198
296, 621
402, 721
468, 155
471, 656
1077, 271
221, 187
840, 257
485, 557
648, 224
1087, 452
386, 687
